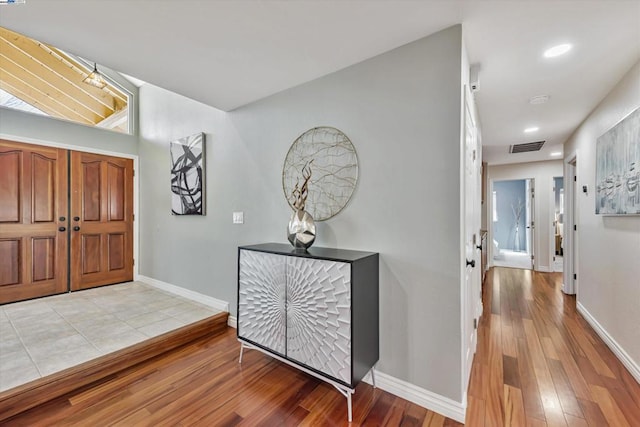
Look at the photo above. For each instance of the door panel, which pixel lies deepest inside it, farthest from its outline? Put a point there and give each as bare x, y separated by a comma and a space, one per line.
102, 236
10, 162
471, 284
10, 255
33, 207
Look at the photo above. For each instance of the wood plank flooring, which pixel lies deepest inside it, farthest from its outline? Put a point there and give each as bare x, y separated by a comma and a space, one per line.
202, 384
539, 363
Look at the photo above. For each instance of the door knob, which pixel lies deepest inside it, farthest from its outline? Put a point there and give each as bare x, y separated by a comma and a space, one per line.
62, 229
76, 218
479, 247
472, 263
76, 228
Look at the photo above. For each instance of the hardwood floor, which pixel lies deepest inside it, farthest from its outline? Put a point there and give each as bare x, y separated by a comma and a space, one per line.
539, 363
203, 384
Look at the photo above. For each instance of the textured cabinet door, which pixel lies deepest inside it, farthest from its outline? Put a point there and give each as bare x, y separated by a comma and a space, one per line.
261, 299
319, 315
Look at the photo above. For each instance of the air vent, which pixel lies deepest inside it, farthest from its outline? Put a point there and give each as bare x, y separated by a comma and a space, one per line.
526, 147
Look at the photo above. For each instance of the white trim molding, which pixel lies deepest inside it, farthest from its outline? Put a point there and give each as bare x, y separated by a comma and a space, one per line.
627, 361
545, 269
186, 293
233, 322
420, 396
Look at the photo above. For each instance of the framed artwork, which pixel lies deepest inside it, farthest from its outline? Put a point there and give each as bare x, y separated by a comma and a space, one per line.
618, 168
188, 175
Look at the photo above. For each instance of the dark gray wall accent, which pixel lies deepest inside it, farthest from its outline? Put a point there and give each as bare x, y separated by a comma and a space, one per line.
401, 110
509, 194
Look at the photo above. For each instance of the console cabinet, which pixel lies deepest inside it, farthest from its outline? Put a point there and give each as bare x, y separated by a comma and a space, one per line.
316, 310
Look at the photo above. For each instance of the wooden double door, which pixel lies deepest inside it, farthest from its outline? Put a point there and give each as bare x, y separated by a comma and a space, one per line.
66, 220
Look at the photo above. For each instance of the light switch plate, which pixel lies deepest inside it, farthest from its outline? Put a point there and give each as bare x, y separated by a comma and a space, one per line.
238, 217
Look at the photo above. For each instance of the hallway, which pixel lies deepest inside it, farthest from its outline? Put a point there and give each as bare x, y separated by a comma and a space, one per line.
539, 363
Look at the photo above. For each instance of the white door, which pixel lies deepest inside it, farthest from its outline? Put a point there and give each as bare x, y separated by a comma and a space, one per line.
472, 273
570, 239
530, 219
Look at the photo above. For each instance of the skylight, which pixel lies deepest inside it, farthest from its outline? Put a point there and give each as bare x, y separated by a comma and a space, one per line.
10, 101
42, 79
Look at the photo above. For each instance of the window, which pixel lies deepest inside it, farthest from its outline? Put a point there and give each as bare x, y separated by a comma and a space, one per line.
495, 206
42, 79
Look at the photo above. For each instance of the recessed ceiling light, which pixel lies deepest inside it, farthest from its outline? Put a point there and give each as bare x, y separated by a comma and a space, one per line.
531, 129
558, 50
538, 99
556, 153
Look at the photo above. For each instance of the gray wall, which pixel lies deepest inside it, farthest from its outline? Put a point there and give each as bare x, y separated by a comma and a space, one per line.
608, 246
402, 112
509, 194
37, 128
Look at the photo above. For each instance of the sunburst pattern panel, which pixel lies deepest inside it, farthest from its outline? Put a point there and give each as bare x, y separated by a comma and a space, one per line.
261, 304
319, 315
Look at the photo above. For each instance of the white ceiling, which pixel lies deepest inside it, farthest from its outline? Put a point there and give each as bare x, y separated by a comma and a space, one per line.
229, 53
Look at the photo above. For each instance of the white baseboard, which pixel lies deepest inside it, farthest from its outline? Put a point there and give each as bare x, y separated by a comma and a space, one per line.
545, 269
622, 355
418, 395
233, 322
425, 398
186, 293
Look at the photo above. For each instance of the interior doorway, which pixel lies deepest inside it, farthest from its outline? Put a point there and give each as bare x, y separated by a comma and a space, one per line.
66, 220
513, 224
558, 221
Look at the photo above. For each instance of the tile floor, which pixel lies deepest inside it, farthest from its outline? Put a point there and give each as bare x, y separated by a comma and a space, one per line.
46, 335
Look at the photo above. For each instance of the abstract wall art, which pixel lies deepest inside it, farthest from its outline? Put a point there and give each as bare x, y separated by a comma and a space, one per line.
618, 168
188, 175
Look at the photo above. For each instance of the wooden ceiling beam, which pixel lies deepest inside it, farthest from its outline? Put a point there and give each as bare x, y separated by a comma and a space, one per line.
47, 89
15, 57
26, 97
119, 96
66, 72
43, 97
49, 92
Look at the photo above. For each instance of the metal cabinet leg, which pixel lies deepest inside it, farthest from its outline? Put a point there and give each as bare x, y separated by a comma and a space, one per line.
241, 349
373, 377
349, 409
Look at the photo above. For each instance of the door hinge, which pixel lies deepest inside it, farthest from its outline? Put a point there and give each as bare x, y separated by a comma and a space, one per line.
134, 172
134, 262
475, 323
133, 217
575, 178
575, 227
575, 276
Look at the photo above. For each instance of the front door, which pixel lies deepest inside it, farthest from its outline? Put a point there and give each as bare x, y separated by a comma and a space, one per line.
33, 221
101, 220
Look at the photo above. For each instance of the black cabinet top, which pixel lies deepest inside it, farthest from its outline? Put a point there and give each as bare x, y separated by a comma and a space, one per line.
313, 252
